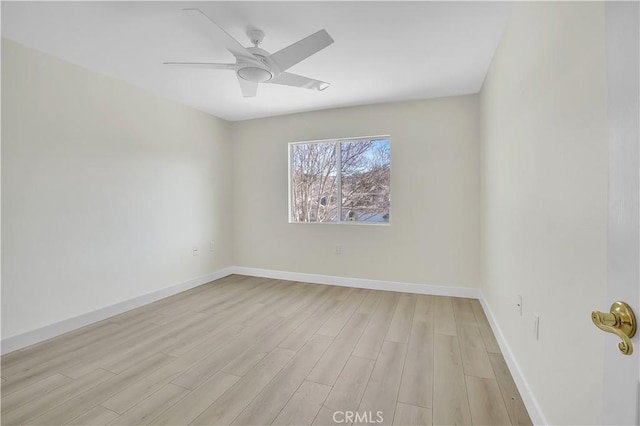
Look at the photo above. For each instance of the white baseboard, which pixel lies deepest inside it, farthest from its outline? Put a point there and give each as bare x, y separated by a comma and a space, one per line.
23, 340
537, 417
20, 341
437, 290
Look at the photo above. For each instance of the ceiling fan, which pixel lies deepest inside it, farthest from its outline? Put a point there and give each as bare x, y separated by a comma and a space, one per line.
254, 65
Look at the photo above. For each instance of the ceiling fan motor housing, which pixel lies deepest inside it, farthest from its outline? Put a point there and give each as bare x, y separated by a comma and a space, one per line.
254, 72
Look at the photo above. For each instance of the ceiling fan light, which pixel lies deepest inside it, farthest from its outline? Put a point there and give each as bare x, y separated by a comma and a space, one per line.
255, 74
323, 86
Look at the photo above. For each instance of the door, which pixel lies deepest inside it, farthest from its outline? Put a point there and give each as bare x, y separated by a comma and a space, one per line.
622, 372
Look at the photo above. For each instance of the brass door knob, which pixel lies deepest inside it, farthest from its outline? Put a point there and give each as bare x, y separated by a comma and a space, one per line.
620, 321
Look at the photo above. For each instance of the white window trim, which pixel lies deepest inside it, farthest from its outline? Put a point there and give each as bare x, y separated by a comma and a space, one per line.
339, 179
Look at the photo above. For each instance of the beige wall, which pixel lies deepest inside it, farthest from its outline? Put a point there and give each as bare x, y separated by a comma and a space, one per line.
544, 200
434, 235
105, 191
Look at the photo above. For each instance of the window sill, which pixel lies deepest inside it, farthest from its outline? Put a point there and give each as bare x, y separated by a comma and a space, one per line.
354, 223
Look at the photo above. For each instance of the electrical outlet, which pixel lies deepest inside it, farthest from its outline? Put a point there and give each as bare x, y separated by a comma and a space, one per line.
519, 304
212, 246
195, 251
338, 249
536, 326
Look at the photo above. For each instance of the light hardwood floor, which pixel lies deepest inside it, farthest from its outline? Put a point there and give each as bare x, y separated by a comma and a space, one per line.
252, 351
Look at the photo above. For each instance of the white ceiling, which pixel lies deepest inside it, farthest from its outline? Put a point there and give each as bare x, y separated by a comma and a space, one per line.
383, 51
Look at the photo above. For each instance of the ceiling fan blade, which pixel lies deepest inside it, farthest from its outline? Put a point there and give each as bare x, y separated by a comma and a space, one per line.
300, 50
218, 35
288, 79
249, 88
206, 65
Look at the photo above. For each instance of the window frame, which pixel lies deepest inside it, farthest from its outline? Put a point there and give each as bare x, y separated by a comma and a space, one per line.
337, 141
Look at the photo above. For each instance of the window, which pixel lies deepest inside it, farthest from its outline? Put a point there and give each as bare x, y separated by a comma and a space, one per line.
345, 180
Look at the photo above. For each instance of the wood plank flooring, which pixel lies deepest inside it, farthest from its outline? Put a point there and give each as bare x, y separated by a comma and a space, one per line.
256, 351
